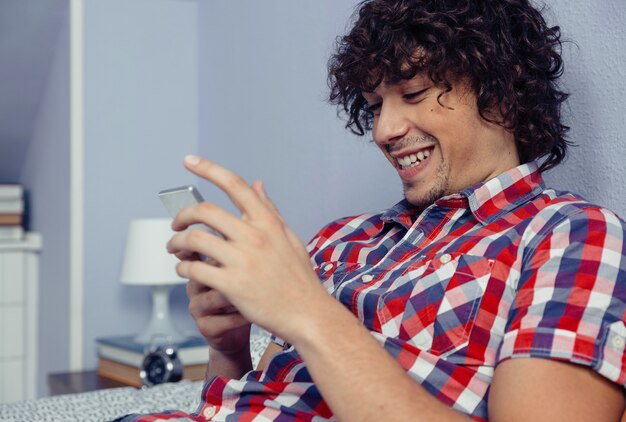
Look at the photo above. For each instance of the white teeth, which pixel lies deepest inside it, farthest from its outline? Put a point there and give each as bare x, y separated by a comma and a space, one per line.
408, 161
413, 159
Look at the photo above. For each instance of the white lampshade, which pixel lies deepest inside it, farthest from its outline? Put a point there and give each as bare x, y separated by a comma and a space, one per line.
146, 261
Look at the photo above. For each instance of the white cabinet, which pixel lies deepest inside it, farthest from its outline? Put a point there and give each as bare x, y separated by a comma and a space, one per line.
19, 275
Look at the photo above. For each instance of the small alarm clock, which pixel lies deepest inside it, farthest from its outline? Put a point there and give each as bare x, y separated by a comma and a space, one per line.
161, 364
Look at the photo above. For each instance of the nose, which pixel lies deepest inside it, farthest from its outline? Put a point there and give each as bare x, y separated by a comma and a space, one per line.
390, 125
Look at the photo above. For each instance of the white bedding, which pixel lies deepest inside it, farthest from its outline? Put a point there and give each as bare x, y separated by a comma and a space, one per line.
106, 405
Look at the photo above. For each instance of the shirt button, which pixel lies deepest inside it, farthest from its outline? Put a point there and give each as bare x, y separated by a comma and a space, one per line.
445, 258
367, 278
618, 342
208, 412
328, 267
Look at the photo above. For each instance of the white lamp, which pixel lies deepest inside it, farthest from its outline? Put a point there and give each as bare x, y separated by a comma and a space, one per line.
147, 263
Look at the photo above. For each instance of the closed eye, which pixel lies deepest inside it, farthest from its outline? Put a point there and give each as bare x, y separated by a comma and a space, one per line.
415, 95
411, 96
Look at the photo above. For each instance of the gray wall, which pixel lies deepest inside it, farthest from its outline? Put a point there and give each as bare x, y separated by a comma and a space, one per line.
45, 175
29, 31
141, 119
264, 114
595, 75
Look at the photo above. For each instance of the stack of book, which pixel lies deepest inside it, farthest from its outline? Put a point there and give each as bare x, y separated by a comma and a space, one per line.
120, 358
11, 212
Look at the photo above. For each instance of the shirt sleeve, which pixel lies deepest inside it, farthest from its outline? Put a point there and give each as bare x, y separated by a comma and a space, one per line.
571, 293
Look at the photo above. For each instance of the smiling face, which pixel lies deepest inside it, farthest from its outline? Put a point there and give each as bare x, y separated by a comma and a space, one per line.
436, 140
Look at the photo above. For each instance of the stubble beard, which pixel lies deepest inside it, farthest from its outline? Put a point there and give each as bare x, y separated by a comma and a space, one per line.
440, 182
438, 189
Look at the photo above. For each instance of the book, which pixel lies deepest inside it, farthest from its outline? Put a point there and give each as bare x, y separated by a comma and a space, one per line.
128, 374
123, 349
11, 233
11, 207
11, 192
10, 219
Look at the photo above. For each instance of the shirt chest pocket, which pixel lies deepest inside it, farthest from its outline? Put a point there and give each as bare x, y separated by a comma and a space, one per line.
433, 305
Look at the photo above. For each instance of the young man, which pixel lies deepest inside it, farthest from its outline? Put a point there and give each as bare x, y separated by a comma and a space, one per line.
483, 293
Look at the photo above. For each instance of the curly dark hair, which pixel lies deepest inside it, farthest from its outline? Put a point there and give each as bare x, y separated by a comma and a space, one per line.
504, 48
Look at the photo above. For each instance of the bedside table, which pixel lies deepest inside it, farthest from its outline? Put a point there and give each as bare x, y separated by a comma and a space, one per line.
79, 382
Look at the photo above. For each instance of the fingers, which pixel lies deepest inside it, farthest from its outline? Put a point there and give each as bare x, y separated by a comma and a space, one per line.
212, 276
211, 216
213, 313
190, 243
259, 189
237, 189
187, 256
295, 242
208, 302
194, 288
217, 325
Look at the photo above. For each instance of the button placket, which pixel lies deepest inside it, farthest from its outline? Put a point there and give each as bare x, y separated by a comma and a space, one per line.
617, 336
366, 278
209, 412
618, 341
445, 258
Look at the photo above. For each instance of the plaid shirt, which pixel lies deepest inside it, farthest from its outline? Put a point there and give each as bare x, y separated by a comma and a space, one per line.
504, 269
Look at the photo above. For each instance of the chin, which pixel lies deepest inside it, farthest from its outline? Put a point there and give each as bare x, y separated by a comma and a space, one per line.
421, 198
419, 201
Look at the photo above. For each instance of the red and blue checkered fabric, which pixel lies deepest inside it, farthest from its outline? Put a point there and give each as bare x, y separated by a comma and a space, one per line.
504, 269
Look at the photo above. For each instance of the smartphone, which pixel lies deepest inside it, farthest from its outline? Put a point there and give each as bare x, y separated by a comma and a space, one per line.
175, 199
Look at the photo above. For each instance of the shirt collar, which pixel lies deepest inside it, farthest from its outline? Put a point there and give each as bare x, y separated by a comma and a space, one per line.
487, 201
403, 213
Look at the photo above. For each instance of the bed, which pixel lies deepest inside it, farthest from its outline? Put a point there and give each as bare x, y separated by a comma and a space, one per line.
106, 405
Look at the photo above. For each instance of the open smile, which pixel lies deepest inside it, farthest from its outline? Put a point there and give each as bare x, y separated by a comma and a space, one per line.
405, 160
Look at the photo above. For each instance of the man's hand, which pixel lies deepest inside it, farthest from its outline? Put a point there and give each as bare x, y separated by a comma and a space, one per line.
227, 332
260, 266
225, 329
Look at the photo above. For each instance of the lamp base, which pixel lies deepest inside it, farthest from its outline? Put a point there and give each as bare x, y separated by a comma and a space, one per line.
160, 327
